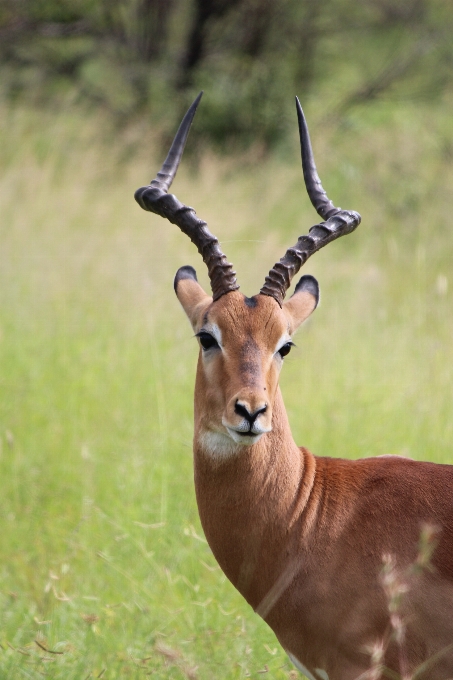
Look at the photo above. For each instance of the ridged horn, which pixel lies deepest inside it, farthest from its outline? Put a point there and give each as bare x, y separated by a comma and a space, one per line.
155, 198
338, 223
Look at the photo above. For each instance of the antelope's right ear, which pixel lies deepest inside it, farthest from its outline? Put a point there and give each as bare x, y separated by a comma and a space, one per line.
191, 295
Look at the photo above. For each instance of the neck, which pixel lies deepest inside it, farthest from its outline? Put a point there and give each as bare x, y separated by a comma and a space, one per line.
249, 498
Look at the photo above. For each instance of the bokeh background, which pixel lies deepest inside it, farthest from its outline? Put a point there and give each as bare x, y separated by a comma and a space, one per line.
104, 570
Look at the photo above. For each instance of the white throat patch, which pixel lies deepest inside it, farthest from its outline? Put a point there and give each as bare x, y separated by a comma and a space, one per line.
218, 446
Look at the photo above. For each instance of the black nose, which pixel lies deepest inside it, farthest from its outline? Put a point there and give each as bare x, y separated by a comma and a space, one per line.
245, 413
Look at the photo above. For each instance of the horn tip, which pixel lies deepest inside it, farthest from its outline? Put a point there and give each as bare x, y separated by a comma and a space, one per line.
197, 99
300, 111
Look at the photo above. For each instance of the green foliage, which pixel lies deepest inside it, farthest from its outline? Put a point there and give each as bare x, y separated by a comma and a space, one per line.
150, 57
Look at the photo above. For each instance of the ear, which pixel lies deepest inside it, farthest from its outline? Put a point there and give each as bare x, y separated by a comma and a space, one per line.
191, 295
302, 303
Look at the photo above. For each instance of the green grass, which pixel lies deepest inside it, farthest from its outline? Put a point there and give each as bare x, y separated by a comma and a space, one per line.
102, 555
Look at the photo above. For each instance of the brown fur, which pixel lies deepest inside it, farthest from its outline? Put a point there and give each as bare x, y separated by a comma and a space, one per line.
304, 538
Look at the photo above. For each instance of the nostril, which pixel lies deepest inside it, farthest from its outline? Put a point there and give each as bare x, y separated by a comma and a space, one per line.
242, 411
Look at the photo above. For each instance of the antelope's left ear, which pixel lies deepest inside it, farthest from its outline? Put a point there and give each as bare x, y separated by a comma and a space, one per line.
302, 303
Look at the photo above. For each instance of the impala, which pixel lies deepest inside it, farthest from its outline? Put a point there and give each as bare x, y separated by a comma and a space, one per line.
304, 538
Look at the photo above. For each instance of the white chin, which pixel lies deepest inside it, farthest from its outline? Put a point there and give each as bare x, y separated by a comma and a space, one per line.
243, 440
224, 445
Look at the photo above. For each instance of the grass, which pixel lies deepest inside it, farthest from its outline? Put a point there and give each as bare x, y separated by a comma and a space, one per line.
104, 570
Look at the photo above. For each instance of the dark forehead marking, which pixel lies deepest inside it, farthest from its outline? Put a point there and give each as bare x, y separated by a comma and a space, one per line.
249, 348
251, 302
248, 359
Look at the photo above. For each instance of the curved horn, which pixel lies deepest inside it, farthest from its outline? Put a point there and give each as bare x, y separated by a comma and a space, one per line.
338, 223
320, 201
155, 198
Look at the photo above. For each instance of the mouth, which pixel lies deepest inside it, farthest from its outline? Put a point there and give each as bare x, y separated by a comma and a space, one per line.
247, 438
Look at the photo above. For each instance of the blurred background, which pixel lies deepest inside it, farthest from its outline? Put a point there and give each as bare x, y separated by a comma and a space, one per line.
136, 58
104, 570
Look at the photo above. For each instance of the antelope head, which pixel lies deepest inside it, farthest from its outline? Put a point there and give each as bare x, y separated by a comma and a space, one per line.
243, 341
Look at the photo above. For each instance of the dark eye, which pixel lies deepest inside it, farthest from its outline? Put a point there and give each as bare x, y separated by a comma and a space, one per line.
286, 349
207, 341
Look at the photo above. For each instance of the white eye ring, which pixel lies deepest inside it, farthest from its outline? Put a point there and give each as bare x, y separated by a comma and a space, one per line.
285, 349
207, 341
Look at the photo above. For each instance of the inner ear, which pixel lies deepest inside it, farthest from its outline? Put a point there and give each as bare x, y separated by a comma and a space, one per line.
302, 303
191, 295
